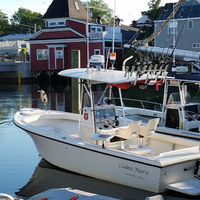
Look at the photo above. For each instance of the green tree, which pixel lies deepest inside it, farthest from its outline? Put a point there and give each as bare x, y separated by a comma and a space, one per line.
99, 8
153, 13
155, 9
24, 21
4, 24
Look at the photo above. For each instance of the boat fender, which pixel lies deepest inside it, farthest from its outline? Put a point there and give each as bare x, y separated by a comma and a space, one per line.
74, 198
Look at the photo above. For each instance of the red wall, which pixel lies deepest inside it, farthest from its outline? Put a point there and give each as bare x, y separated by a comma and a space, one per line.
41, 65
57, 34
80, 27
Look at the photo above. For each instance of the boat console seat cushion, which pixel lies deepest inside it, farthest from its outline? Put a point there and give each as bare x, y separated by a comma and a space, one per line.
127, 132
149, 128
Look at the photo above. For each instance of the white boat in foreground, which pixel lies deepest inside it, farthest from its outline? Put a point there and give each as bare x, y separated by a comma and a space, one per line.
99, 143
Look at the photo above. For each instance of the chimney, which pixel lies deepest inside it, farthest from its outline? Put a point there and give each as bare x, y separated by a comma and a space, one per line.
117, 21
134, 23
98, 20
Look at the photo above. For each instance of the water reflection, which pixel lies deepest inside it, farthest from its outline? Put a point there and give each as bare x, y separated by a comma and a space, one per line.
47, 176
18, 155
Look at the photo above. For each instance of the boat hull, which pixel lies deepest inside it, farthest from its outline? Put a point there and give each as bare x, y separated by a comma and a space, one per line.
103, 164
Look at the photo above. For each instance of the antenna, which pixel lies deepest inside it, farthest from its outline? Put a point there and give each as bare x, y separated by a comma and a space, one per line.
87, 35
113, 54
113, 44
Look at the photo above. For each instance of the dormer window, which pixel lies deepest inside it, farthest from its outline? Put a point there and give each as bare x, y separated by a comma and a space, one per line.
61, 23
56, 23
76, 5
52, 24
96, 29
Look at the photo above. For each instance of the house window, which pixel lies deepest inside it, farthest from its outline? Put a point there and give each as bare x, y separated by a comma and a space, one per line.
195, 45
51, 24
97, 51
99, 29
172, 27
171, 46
93, 29
42, 54
96, 29
59, 54
190, 24
55, 24
61, 23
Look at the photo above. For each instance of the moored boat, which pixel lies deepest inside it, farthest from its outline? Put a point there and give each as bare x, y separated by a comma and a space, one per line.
101, 144
59, 193
179, 114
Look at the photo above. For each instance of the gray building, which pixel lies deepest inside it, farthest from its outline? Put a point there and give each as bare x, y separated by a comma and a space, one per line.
183, 31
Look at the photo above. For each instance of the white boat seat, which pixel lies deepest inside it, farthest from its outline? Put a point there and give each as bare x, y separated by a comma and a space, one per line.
127, 132
149, 128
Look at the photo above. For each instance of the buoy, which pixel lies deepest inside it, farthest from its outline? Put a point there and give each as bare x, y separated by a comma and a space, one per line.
112, 58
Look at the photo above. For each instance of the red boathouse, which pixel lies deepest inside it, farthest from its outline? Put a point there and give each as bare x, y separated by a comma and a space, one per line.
62, 44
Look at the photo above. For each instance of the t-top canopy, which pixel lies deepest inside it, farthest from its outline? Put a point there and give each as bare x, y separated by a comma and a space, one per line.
104, 76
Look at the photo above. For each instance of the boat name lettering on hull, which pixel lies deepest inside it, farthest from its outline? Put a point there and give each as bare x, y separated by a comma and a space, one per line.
134, 169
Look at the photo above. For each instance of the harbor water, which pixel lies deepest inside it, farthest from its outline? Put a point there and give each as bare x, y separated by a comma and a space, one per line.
23, 172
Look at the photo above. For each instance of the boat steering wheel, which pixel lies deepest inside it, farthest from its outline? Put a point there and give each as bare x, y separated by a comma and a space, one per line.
192, 115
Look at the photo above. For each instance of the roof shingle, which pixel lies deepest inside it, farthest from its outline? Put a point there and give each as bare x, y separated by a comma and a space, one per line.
66, 8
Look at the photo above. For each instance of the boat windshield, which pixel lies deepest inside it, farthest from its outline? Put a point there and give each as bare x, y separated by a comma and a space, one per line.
99, 98
174, 98
192, 108
104, 113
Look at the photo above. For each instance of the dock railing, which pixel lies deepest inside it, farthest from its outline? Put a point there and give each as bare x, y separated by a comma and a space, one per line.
13, 58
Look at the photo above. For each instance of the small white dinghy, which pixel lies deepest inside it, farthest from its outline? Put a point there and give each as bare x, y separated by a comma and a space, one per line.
59, 194
98, 143
68, 194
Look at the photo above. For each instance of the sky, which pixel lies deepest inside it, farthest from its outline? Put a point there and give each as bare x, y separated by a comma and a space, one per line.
128, 10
